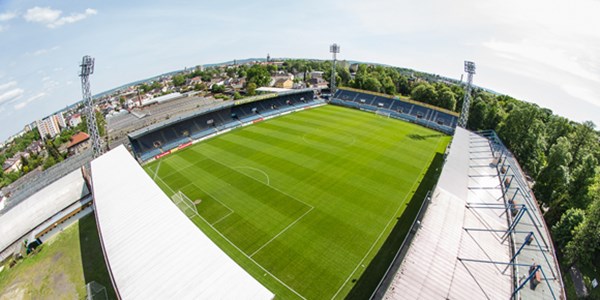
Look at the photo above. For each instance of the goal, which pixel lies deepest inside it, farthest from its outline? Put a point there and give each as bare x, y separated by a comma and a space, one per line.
185, 204
95, 291
383, 113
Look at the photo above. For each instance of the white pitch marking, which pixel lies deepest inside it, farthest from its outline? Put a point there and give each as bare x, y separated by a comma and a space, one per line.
282, 231
156, 171
258, 170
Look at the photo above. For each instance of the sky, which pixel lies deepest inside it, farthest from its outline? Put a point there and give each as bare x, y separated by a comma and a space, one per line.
541, 51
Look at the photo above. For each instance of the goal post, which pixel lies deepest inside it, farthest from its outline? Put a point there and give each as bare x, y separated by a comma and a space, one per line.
185, 204
382, 113
95, 291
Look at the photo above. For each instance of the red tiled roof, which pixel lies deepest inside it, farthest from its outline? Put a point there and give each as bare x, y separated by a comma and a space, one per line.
78, 138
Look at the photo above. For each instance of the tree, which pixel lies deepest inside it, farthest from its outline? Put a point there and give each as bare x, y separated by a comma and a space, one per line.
237, 96
425, 92
553, 179
251, 89
217, 88
388, 86
524, 133
447, 99
583, 139
583, 179
372, 84
477, 114
585, 244
199, 87
403, 85
178, 80
50, 161
258, 75
564, 230
343, 75
53, 150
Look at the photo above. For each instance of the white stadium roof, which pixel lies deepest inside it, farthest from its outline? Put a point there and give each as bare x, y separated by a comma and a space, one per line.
152, 249
431, 268
25, 216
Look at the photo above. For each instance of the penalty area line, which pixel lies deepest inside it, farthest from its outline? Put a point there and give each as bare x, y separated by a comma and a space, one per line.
251, 259
156, 171
281, 232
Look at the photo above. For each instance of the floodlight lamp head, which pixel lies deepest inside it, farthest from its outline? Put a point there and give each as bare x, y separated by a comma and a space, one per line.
469, 67
87, 66
335, 48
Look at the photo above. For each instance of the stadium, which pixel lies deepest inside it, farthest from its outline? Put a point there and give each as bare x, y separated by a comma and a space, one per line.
292, 196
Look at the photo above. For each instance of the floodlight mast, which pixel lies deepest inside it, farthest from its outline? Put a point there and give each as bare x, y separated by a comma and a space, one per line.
87, 68
464, 115
334, 49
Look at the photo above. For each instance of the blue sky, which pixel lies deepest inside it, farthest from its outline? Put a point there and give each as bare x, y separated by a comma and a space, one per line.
546, 52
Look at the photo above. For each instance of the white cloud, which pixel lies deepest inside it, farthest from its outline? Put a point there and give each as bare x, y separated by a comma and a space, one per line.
45, 15
7, 16
52, 17
7, 85
3, 28
11, 95
44, 51
21, 105
73, 18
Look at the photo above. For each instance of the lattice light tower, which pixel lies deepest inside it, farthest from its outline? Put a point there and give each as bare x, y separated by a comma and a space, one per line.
87, 68
464, 115
334, 49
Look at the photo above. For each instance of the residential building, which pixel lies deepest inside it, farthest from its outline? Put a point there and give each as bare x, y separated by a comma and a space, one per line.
35, 147
12, 164
74, 120
60, 119
48, 127
284, 83
78, 143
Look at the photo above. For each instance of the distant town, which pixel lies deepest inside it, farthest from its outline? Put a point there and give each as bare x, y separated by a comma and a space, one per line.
63, 135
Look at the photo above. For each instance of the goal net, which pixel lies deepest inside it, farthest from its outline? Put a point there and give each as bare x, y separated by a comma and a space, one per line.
95, 291
185, 204
382, 113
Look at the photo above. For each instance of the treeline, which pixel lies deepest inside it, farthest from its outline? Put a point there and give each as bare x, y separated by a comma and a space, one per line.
388, 80
561, 156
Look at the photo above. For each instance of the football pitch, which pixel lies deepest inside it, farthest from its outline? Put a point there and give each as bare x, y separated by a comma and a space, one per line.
305, 202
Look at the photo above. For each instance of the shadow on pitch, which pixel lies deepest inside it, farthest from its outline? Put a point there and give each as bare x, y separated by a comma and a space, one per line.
92, 258
419, 137
367, 283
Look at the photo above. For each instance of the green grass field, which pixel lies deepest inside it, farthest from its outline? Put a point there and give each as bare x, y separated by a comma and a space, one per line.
62, 267
304, 202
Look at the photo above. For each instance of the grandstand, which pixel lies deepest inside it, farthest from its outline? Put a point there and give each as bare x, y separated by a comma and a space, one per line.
40, 216
162, 138
482, 235
33, 182
416, 112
